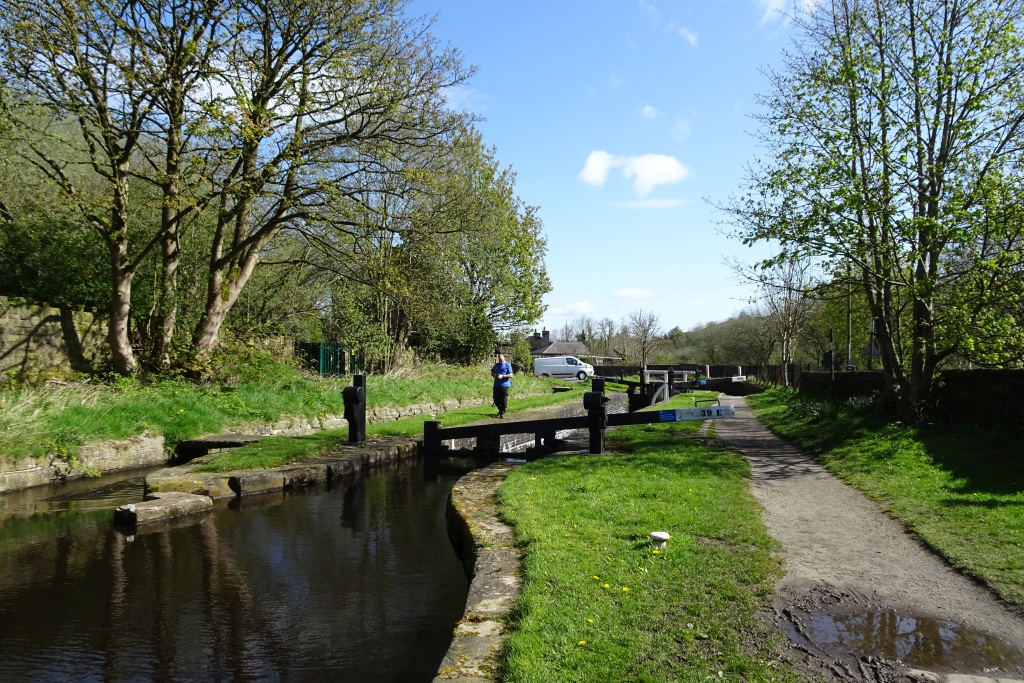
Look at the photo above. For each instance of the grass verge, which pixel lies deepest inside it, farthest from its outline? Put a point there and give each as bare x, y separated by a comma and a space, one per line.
961, 491
56, 419
282, 450
599, 603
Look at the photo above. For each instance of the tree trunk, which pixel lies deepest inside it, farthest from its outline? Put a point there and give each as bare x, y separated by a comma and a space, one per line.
122, 357
167, 307
223, 287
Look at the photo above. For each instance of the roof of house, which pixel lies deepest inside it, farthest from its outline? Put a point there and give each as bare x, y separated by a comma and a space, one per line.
562, 348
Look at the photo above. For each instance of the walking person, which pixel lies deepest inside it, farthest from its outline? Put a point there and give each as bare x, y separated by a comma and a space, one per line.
502, 374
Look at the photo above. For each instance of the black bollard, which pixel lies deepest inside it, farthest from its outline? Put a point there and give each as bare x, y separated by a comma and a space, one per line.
354, 398
431, 438
597, 419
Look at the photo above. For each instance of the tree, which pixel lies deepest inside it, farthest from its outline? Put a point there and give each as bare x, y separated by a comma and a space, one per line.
267, 116
486, 250
442, 254
317, 95
78, 62
893, 136
644, 335
787, 305
707, 341
519, 354
748, 338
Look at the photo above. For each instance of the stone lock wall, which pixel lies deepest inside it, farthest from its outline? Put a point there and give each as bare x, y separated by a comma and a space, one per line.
38, 341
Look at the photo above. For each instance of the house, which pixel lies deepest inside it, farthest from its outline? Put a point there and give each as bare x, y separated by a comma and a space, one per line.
541, 346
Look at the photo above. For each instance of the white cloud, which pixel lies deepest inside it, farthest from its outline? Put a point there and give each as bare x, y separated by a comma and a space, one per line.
615, 79
573, 309
596, 167
647, 171
681, 129
651, 11
649, 112
689, 36
633, 294
464, 98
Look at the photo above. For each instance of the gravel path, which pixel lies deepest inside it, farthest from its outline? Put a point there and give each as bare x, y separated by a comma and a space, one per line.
862, 599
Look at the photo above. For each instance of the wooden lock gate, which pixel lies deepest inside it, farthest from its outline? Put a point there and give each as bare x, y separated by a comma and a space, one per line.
596, 421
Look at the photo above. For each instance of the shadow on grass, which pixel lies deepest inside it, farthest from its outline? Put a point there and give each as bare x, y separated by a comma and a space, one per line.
987, 504
980, 461
983, 462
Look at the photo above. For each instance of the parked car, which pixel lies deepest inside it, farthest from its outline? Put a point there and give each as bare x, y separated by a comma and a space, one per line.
562, 367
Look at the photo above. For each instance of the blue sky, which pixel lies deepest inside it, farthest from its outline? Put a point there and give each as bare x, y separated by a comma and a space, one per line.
621, 119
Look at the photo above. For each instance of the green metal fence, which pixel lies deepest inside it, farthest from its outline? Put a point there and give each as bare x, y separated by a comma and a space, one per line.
330, 359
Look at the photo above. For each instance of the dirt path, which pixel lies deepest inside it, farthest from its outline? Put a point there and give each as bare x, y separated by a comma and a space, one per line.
863, 600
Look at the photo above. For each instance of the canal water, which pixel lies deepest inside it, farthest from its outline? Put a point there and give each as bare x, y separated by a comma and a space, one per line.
357, 582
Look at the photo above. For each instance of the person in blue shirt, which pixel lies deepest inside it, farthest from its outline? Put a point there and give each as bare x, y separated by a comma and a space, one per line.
502, 374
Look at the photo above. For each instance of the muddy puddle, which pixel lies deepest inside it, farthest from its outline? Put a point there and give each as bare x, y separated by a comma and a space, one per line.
916, 641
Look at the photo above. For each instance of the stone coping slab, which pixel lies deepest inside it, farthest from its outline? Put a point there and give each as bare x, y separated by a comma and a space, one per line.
177, 491
341, 461
159, 507
488, 547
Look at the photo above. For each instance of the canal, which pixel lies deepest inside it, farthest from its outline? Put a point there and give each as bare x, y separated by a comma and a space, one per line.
357, 582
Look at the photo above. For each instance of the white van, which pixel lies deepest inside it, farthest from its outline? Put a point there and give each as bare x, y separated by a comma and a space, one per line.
562, 367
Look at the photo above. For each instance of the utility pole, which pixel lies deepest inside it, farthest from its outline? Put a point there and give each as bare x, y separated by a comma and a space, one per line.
849, 319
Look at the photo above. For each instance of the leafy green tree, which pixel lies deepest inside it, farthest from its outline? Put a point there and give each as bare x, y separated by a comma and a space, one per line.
893, 133
482, 258
520, 356
317, 95
47, 250
76, 62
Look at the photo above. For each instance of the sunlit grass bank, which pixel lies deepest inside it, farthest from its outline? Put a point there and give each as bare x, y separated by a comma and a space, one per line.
601, 604
55, 419
960, 490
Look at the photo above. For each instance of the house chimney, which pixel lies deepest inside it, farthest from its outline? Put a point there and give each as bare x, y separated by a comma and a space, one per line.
547, 335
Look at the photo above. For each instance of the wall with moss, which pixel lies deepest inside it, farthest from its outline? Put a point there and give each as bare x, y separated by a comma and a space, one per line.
38, 341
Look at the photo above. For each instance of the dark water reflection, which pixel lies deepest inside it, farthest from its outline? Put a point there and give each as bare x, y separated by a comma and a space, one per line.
358, 583
912, 639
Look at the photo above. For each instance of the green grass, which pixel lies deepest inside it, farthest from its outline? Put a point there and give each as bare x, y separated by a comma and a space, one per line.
282, 450
55, 419
960, 490
599, 604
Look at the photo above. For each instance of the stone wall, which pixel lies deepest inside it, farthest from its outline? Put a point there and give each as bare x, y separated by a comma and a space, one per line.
100, 457
39, 342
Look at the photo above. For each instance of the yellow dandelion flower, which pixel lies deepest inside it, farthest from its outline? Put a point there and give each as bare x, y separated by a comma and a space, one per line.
597, 578
656, 551
590, 621
606, 586
625, 589
582, 642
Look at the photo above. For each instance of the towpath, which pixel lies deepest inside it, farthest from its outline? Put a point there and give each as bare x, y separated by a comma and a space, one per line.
862, 599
